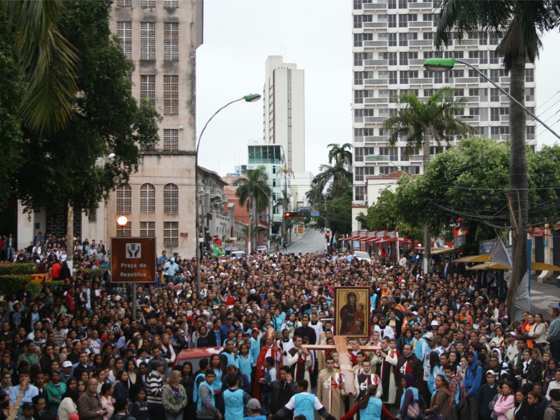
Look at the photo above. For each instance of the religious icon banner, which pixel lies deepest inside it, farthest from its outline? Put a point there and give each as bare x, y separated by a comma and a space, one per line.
351, 311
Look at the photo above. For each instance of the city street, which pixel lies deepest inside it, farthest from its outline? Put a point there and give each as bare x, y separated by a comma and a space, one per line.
310, 242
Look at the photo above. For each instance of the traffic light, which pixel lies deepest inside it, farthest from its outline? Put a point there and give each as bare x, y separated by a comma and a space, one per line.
288, 215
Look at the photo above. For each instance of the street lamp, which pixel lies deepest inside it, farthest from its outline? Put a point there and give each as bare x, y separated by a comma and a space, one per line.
253, 97
447, 64
122, 220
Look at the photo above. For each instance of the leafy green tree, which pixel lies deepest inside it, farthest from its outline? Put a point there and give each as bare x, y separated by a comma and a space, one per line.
68, 166
49, 62
331, 190
253, 191
421, 122
522, 22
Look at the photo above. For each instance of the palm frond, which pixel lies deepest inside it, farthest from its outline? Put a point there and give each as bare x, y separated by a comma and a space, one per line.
49, 61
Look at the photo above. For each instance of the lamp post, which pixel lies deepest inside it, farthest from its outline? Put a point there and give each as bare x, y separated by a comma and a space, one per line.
123, 221
247, 98
447, 64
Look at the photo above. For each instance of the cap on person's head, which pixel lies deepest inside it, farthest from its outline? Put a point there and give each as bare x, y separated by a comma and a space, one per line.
67, 364
434, 323
491, 372
253, 404
556, 306
428, 336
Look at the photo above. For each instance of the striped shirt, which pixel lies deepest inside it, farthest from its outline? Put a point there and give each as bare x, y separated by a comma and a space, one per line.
154, 387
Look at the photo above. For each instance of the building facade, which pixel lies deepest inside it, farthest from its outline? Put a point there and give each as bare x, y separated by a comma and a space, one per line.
160, 38
272, 159
391, 40
216, 216
284, 120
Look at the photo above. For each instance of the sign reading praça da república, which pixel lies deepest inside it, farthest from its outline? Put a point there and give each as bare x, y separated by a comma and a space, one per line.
133, 260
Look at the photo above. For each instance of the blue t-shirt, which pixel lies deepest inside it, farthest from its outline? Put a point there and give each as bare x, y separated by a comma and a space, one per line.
234, 404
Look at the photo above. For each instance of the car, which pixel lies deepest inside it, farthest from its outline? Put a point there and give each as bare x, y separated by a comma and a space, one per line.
362, 256
238, 254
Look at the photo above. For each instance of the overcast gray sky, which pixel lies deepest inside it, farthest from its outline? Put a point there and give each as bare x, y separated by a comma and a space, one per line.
317, 35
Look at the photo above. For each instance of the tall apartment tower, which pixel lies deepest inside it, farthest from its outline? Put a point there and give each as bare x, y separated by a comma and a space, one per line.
391, 39
160, 37
284, 120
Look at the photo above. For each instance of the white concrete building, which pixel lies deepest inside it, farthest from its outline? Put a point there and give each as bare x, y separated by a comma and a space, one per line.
284, 120
160, 38
391, 40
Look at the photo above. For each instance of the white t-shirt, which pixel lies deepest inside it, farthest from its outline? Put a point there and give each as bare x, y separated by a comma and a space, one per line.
290, 405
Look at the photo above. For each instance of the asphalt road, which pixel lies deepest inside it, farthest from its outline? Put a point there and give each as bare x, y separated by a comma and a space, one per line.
310, 242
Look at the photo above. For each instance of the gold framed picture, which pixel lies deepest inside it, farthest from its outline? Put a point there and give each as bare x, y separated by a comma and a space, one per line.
351, 311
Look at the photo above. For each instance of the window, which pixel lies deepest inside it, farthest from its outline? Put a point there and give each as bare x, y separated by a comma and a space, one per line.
404, 77
393, 96
529, 75
359, 173
403, 21
147, 199
148, 4
474, 54
359, 154
360, 38
411, 170
494, 114
403, 58
530, 132
147, 229
391, 152
495, 75
387, 170
170, 199
403, 39
428, 36
403, 4
358, 77
483, 57
393, 78
392, 21
457, 73
412, 17
92, 216
360, 57
494, 58
529, 94
124, 3
359, 192
124, 231
494, 37
392, 56
438, 77
124, 34
392, 40
171, 4
427, 17
357, 21
170, 234
124, 200
359, 95
171, 41
148, 87
473, 92
473, 73
170, 139
494, 95
392, 4
428, 92
170, 95
485, 73
147, 41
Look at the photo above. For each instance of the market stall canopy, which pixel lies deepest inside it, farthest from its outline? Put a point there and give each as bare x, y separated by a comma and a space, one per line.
540, 266
473, 259
490, 266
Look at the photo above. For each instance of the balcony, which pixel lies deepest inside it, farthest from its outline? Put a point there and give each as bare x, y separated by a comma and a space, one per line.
380, 158
421, 81
375, 6
420, 42
467, 42
375, 25
377, 62
415, 62
375, 44
415, 158
466, 80
470, 60
376, 139
371, 101
419, 24
376, 82
471, 99
420, 6
374, 120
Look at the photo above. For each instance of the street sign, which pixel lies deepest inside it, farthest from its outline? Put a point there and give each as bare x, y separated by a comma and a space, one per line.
133, 260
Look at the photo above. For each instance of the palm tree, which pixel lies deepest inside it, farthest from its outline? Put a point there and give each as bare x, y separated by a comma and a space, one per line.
48, 60
340, 154
522, 22
420, 123
253, 190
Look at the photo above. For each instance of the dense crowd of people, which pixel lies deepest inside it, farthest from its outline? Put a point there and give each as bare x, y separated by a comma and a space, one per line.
443, 345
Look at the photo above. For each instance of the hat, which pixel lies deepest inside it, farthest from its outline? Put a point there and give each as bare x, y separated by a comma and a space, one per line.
67, 364
428, 336
253, 404
435, 323
491, 372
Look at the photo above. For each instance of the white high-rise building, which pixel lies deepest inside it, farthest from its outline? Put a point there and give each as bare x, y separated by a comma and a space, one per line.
284, 120
392, 38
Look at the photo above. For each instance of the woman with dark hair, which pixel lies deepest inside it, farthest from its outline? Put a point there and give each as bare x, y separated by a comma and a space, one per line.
440, 406
435, 370
531, 408
69, 403
122, 387
107, 401
187, 381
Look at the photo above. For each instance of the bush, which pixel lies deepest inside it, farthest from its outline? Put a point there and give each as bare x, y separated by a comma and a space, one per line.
17, 268
13, 284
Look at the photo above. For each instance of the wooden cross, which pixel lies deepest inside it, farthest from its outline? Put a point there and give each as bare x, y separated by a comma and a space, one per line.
344, 360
